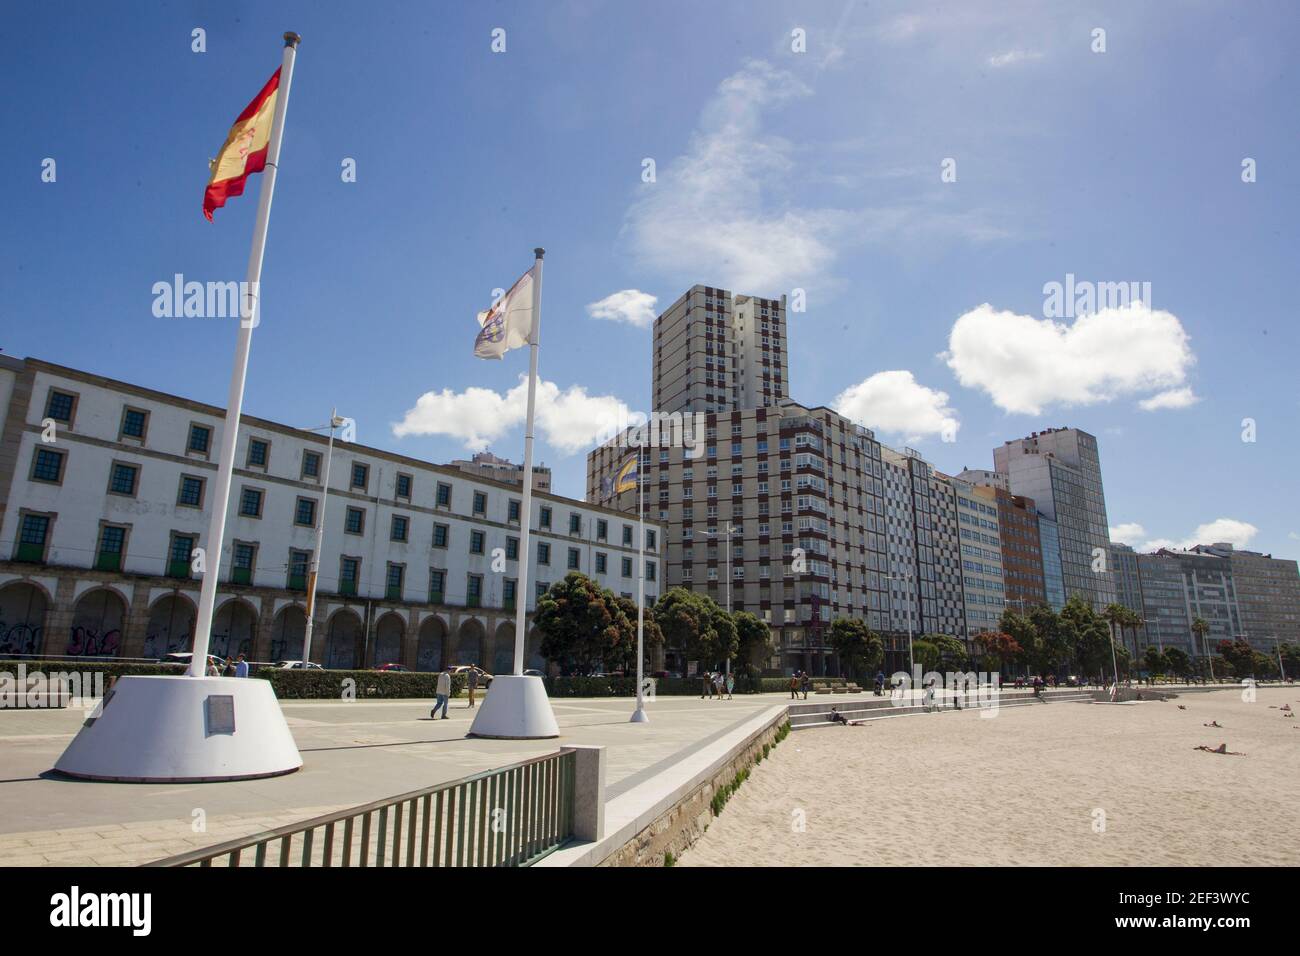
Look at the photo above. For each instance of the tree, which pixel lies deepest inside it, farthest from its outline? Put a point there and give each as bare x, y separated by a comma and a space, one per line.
1239, 655
1086, 630
1290, 659
754, 647
1054, 645
652, 636
997, 647
581, 624
1023, 632
952, 652
1156, 662
695, 627
1179, 662
1200, 628
858, 647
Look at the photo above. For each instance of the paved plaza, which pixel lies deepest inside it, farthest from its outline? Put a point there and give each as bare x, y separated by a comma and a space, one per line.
353, 752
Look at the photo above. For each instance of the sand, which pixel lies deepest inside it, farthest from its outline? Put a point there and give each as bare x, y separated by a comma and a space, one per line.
1048, 784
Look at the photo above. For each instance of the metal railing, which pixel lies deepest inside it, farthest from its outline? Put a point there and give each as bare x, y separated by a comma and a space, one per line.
513, 816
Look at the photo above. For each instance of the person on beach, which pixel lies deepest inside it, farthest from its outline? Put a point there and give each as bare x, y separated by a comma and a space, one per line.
442, 694
837, 718
929, 695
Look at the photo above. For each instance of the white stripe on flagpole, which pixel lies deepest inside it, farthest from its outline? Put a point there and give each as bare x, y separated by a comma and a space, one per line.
235, 403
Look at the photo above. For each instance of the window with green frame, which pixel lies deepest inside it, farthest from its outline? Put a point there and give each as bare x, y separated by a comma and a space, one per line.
32, 537
349, 571
393, 588
178, 562
242, 557
474, 590
112, 542
299, 565
508, 588
437, 582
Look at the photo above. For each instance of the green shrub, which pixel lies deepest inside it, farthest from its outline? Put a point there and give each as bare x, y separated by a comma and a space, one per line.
295, 684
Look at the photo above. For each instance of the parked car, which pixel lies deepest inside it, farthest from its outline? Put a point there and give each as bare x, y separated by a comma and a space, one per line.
392, 667
484, 678
666, 675
298, 665
184, 658
533, 672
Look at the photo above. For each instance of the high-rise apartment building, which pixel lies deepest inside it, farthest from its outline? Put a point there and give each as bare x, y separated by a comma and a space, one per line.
1060, 469
1268, 595
1180, 586
715, 351
981, 557
484, 464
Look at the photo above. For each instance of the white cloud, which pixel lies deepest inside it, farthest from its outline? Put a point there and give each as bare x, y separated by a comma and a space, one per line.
1130, 533
1229, 530
1026, 364
709, 213
1174, 398
630, 305
569, 420
1011, 57
895, 403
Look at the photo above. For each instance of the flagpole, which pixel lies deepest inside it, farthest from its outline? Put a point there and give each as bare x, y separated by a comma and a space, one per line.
639, 715
526, 513
235, 402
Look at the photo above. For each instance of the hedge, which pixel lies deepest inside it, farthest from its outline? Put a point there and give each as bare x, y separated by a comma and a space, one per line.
296, 684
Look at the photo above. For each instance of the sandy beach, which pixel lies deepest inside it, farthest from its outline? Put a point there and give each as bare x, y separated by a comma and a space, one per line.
1049, 784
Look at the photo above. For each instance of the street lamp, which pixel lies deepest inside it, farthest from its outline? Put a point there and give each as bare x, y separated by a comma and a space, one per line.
335, 422
730, 529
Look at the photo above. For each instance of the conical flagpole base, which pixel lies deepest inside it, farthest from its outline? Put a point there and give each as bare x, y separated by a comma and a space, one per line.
515, 708
639, 716
181, 729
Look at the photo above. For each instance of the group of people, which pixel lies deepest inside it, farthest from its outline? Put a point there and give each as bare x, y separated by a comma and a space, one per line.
799, 682
230, 667
716, 682
442, 690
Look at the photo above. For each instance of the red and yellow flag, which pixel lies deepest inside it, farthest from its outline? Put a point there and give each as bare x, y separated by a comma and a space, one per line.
244, 152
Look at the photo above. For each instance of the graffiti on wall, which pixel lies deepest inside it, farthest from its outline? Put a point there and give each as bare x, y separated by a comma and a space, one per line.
90, 642
20, 638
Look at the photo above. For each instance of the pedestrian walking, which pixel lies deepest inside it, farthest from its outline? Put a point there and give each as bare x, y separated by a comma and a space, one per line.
241, 667
806, 683
443, 692
473, 682
880, 683
794, 686
731, 686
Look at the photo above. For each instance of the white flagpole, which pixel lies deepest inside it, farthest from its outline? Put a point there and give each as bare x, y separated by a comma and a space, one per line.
234, 404
639, 715
526, 512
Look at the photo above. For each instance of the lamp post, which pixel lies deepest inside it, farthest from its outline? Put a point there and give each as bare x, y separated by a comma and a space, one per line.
730, 529
335, 422
1281, 668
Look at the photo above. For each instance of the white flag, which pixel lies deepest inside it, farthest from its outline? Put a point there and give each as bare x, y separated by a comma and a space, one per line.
508, 323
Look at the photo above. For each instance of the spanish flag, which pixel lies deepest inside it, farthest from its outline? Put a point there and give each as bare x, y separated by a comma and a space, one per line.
245, 150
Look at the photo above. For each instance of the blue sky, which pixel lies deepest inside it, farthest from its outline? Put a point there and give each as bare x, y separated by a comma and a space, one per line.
775, 170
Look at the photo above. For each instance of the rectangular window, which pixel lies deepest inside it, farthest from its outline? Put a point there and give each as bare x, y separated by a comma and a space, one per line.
299, 563
190, 493
354, 521
112, 542
480, 503
200, 439
304, 513
349, 573
476, 540
474, 590
627, 536
649, 539
360, 475
178, 561
242, 556
649, 570
398, 528
121, 479
31, 539
545, 517
437, 581
602, 529
543, 553
508, 588
512, 549
575, 523
443, 497
134, 423
60, 406
311, 464
602, 562
627, 567
575, 556
393, 581
440, 535
541, 589
258, 452
513, 509
250, 503
404, 486
48, 466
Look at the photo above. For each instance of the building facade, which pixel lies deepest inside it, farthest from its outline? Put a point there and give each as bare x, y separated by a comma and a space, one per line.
1060, 469
106, 492
484, 464
1268, 595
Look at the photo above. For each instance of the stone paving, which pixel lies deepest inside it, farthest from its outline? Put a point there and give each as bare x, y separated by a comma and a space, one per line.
353, 752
